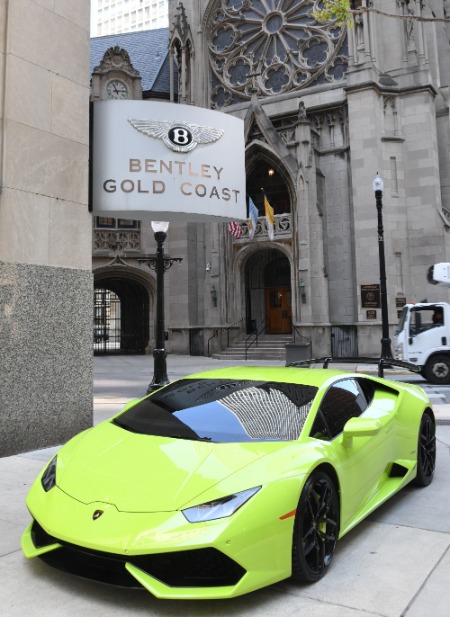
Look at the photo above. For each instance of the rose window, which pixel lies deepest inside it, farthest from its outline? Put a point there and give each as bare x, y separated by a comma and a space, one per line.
271, 47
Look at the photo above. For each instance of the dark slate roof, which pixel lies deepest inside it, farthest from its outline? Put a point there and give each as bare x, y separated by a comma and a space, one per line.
148, 51
162, 82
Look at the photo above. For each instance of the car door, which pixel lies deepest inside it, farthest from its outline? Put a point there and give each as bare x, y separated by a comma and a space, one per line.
361, 463
427, 331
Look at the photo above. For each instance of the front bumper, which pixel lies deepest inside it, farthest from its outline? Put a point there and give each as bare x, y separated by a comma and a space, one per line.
162, 552
206, 568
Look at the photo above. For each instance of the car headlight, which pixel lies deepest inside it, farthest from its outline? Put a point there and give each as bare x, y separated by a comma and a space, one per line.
219, 508
48, 479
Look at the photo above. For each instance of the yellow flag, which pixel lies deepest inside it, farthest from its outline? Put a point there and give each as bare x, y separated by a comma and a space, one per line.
270, 218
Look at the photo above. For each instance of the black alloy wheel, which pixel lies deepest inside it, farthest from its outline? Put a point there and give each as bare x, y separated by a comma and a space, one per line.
426, 451
316, 528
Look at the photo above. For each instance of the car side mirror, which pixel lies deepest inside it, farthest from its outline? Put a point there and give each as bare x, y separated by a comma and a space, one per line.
360, 427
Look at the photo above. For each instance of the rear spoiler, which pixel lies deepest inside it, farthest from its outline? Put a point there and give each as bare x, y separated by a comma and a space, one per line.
382, 363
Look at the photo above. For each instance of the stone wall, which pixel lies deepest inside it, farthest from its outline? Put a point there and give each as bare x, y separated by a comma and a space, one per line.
46, 366
45, 226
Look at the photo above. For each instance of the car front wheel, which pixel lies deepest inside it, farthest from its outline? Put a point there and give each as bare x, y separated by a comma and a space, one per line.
316, 528
426, 451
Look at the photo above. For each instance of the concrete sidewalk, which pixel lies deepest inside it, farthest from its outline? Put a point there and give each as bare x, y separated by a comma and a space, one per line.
395, 564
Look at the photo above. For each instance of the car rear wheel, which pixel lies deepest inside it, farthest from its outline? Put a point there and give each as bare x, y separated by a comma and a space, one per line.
437, 369
426, 451
316, 528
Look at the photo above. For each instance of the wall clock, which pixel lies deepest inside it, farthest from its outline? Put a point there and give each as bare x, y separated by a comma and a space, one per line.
116, 89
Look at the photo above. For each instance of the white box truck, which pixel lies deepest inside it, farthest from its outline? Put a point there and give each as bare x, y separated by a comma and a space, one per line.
423, 333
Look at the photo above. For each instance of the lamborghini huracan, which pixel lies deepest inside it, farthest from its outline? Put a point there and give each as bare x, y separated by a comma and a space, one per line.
229, 480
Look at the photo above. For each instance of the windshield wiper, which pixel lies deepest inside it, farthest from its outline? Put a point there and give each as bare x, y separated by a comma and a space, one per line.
132, 429
127, 427
190, 438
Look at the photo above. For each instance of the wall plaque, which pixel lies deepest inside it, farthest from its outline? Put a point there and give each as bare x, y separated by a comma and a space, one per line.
370, 296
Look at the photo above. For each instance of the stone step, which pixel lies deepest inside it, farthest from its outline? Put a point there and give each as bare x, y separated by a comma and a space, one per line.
260, 345
261, 349
268, 347
262, 353
241, 356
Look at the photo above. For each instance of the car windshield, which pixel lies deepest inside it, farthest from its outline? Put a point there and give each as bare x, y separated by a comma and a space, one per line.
222, 410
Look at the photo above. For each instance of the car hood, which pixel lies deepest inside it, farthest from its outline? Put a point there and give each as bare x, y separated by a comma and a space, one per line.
142, 473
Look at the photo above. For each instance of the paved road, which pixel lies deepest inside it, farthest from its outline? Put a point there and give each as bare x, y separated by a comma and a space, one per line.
118, 379
437, 394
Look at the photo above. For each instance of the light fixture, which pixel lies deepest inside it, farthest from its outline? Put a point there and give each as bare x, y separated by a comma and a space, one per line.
160, 226
302, 288
271, 172
378, 184
208, 267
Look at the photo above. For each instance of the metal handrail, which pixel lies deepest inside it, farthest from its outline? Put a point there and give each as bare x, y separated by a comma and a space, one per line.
261, 327
224, 329
296, 331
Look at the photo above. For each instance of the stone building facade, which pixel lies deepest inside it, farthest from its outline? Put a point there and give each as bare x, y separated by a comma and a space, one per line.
325, 108
45, 225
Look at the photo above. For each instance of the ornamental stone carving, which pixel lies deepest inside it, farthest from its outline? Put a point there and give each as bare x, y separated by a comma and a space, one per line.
268, 47
282, 229
116, 59
116, 241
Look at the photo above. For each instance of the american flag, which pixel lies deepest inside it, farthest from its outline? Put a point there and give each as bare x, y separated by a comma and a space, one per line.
235, 229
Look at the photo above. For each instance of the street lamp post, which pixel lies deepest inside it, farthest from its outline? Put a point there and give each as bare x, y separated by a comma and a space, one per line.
159, 264
386, 352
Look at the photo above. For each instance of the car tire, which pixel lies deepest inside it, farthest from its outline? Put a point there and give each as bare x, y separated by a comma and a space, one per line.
316, 528
437, 369
426, 451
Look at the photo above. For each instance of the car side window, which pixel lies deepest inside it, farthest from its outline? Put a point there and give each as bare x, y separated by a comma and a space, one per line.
344, 400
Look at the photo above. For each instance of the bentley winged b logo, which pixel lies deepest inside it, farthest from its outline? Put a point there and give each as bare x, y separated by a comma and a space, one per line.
178, 136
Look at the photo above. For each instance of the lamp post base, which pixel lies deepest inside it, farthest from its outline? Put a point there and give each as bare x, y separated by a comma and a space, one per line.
386, 351
160, 378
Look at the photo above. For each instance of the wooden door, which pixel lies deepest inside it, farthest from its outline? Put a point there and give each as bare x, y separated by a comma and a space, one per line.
278, 310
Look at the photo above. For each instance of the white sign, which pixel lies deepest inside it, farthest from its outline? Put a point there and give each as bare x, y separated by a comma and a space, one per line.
164, 161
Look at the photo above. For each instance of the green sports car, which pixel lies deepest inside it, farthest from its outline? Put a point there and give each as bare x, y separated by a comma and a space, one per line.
229, 480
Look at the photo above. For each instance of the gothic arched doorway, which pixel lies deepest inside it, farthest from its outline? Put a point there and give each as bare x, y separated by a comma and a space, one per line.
268, 292
121, 308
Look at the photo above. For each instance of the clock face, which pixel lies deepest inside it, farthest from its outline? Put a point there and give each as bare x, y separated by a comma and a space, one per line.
116, 89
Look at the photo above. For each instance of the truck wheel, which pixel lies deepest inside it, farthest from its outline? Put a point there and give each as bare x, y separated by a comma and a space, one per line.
437, 369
